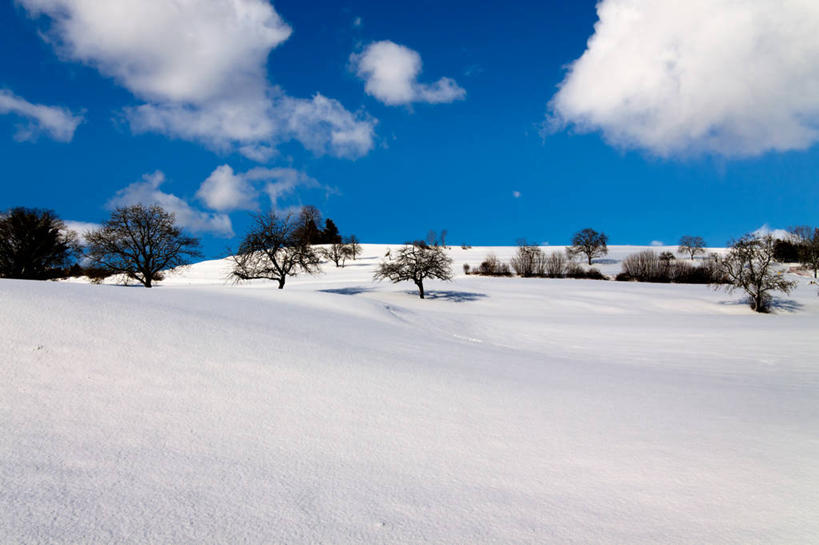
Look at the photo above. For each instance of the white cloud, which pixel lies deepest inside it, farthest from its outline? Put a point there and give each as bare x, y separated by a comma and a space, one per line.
657, 243
226, 190
686, 77
391, 74
58, 123
201, 67
146, 191
82, 228
516, 194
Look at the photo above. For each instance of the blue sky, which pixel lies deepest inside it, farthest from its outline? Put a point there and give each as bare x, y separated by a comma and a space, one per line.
715, 140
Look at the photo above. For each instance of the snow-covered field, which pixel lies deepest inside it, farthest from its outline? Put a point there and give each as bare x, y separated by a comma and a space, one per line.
337, 411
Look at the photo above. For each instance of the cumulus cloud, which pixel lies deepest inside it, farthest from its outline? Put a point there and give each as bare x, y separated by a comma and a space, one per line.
390, 72
58, 123
226, 190
657, 243
201, 68
146, 191
685, 77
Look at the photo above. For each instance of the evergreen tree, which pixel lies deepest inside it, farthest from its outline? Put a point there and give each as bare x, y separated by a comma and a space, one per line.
330, 234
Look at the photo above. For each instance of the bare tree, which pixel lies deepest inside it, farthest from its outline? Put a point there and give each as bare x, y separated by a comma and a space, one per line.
590, 243
140, 242
338, 253
432, 238
354, 245
556, 265
273, 249
442, 237
35, 244
808, 246
415, 263
751, 267
529, 260
692, 246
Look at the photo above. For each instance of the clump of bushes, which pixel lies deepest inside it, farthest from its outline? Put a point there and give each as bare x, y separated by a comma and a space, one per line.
491, 266
533, 262
649, 266
529, 261
557, 264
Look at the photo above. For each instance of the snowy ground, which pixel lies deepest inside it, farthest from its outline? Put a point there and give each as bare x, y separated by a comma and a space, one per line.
342, 411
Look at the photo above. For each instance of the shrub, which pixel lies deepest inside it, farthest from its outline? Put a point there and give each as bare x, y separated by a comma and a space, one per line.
573, 270
556, 265
648, 266
492, 266
645, 266
594, 274
529, 261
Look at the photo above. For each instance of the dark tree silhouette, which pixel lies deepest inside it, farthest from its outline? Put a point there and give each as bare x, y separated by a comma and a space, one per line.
750, 266
308, 220
140, 242
415, 263
330, 234
590, 243
34, 244
808, 246
273, 249
692, 246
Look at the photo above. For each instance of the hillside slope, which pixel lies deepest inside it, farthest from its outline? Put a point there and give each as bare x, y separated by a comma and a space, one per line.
342, 411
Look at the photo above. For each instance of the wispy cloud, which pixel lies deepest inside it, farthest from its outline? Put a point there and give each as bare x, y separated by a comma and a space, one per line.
56, 122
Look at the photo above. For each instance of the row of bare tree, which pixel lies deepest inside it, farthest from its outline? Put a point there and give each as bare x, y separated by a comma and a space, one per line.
141, 242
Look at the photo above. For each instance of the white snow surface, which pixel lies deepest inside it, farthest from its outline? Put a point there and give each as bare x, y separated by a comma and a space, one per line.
498, 410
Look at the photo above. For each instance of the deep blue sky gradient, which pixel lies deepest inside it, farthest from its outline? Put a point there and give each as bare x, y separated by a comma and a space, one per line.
452, 166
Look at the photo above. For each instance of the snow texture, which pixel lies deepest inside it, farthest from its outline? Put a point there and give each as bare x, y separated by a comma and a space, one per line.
499, 410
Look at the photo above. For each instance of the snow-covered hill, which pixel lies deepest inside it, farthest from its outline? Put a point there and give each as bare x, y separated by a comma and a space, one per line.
498, 410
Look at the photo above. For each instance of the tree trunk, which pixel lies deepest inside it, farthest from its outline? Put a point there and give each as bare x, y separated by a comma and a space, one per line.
281, 283
420, 285
590, 260
147, 282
